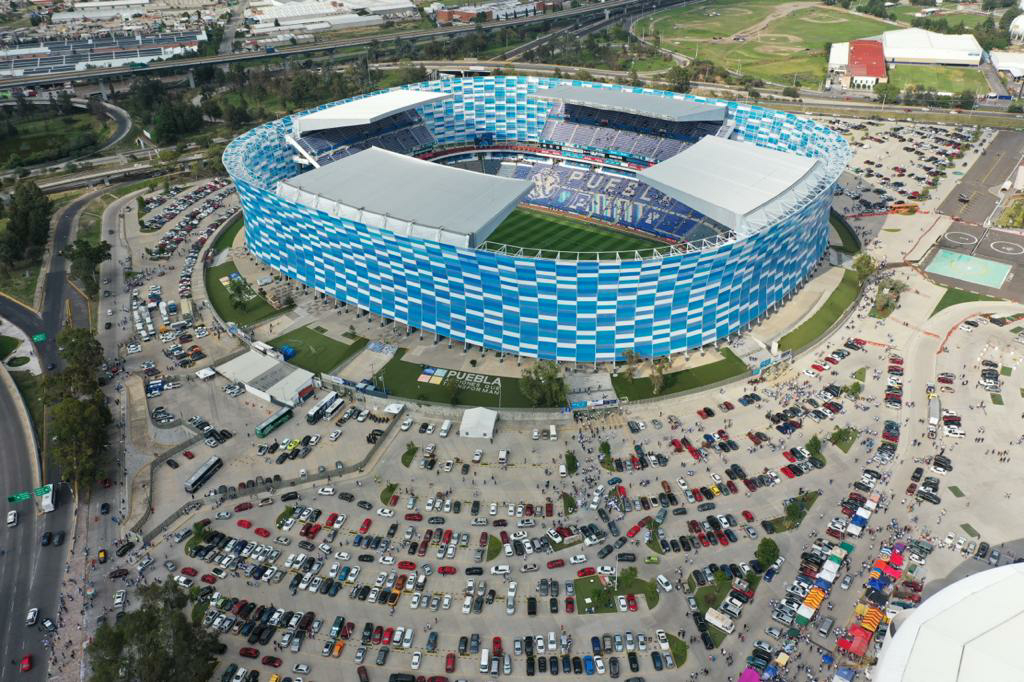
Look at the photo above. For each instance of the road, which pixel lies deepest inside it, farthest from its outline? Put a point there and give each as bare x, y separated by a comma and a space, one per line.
26, 579
298, 50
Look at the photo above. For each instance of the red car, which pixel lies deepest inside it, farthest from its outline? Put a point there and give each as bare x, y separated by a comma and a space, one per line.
248, 652
243, 523
788, 455
272, 661
188, 454
189, 571
446, 570
747, 515
585, 572
556, 563
731, 485
703, 539
697, 494
786, 472
365, 526
570, 604
484, 537
631, 602
393, 501
817, 368
314, 530
387, 636
331, 519
245, 506
377, 634
26, 664
414, 516
407, 565
262, 532
449, 662
496, 646
209, 579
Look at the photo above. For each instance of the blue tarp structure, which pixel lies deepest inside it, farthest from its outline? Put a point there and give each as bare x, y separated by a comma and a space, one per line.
846, 674
770, 672
288, 352
827, 659
823, 584
859, 521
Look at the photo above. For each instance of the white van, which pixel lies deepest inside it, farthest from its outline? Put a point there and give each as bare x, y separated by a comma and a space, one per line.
562, 472
552, 432
664, 583
502, 457
485, 661
446, 426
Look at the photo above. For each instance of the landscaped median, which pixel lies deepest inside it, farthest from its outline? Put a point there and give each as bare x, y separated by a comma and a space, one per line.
252, 311
315, 351
639, 388
817, 324
598, 594
416, 381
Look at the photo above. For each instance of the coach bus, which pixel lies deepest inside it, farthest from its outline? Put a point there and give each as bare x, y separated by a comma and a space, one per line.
48, 500
318, 411
274, 421
205, 472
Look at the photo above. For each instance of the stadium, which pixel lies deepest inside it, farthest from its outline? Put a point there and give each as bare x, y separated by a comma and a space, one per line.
562, 220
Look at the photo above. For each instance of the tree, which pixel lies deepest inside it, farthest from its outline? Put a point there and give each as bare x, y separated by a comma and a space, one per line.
238, 293
155, 642
78, 434
29, 217
85, 257
629, 355
657, 375
814, 446
767, 552
543, 385
854, 390
678, 79
790, 91
865, 266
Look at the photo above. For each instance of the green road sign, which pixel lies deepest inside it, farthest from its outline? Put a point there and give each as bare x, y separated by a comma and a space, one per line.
39, 338
39, 492
19, 497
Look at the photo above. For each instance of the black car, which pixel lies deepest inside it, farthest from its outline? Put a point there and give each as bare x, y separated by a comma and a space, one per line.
474, 570
47, 538
613, 667
553, 604
345, 496
363, 504
656, 660
634, 662
553, 664
531, 606
530, 666
577, 665
58, 538
542, 664
171, 463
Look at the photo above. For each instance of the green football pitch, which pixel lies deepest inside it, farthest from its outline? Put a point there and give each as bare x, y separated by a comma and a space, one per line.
549, 233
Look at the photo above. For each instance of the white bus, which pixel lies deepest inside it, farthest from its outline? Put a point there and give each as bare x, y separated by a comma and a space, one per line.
48, 500
317, 413
334, 407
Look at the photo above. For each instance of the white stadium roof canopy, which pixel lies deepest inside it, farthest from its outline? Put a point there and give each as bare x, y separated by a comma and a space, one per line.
967, 632
738, 184
408, 196
641, 104
365, 110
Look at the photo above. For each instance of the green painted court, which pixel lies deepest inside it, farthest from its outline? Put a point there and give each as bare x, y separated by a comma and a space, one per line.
550, 233
981, 271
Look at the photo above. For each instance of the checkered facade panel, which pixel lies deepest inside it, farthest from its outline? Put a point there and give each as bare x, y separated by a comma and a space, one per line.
566, 310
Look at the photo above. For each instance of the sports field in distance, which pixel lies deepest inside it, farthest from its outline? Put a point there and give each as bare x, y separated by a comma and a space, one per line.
938, 78
549, 233
762, 38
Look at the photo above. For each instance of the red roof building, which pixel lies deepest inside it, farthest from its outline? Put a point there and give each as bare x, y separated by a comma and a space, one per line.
867, 61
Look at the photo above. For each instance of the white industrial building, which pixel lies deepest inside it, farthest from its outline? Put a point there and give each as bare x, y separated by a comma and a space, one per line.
917, 46
1010, 63
276, 16
268, 378
478, 422
967, 632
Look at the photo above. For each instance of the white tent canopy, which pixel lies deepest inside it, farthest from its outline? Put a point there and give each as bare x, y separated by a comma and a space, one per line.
478, 422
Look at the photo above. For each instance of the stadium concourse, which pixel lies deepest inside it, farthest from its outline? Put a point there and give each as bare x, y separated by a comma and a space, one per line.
389, 202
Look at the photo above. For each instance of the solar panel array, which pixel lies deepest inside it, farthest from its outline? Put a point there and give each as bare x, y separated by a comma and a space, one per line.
57, 56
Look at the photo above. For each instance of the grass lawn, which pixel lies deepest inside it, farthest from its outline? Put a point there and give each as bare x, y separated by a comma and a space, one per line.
638, 388
816, 325
969, 529
970, 19
316, 352
603, 597
568, 503
939, 78
493, 547
955, 296
49, 137
861, 374
410, 452
8, 344
550, 234
629, 583
1006, 371
20, 283
711, 595
788, 48
30, 386
387, 492
851, 245
844, 438
996, 398
399, 378
227, 237
571, 465
256, 310
678, 649
956, 491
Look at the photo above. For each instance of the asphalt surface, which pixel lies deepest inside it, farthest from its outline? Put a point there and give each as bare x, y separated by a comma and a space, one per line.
980, 184
29, 573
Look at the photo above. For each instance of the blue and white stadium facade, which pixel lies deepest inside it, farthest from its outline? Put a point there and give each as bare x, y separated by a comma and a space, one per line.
315, 210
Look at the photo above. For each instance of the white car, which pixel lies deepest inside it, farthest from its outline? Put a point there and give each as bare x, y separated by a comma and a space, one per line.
578, 559
662, 639
326, 490
622, 603
446, 603
385, 512
416, 656
12, 519
494, 508
405, 427
335, 435
477, 456
31, 617
301, 668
